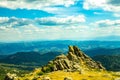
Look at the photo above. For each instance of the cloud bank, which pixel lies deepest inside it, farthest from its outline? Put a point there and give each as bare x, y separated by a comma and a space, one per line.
34, 4
107, 5
17, 29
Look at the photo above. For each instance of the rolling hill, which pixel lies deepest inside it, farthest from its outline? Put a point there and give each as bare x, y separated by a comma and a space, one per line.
29, 58
111, 62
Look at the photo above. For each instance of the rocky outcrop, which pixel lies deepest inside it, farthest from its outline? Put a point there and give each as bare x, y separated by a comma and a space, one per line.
10, 76
75, 60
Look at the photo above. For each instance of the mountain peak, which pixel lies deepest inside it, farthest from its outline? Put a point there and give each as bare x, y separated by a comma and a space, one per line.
75, 60
73, 48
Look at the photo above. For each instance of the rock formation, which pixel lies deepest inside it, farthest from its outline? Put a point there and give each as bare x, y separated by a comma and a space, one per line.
46, 78
75, 60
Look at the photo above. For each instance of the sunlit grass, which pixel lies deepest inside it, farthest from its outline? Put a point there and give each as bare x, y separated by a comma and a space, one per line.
60, 75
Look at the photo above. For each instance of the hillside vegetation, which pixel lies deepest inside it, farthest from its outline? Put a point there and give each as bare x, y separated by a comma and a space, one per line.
11, 68
29, 58
111, 62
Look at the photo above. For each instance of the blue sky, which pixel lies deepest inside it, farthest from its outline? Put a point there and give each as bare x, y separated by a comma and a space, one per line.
29, 20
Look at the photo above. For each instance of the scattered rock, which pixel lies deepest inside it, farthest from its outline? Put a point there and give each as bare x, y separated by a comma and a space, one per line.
10, 76
46, 78
68, 78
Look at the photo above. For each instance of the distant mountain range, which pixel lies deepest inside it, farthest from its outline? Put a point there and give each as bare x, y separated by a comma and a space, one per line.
48, 46
110, 38
102, 51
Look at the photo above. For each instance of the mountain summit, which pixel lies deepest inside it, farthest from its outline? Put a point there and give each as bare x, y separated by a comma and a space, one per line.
75, 60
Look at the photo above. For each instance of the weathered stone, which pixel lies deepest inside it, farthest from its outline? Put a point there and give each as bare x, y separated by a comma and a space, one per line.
100, 65
46, 78
10, 76
50, 62
72, 57
68, 78
71, 49
62, 56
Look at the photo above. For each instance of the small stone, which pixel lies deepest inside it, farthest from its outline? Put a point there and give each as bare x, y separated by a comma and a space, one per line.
68, 78
10, 76
46, 78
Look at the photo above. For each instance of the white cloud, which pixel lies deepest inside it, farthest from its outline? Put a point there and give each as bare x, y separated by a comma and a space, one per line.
34, 4
88, 4
108, 23
3, 19
98, 13
107, 5
117, 14
50, 21
63, 11
33, 31
14, 22
61, 21
27, 29
10, 34
105, 28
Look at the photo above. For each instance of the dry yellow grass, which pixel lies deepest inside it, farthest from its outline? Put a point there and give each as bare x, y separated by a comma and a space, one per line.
60, 75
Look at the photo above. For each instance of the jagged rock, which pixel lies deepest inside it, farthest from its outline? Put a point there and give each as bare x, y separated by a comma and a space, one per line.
61, 62
71, 49
100, 65
75, 60
46, 78
76, 67
68, 78
10, 76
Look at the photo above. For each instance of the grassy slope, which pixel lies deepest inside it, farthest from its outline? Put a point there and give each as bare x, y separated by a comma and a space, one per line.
60, 75
10, 68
